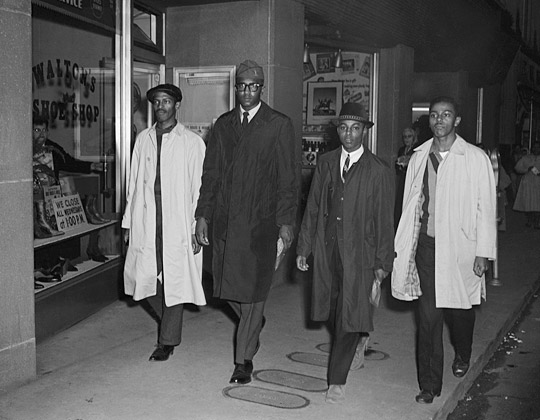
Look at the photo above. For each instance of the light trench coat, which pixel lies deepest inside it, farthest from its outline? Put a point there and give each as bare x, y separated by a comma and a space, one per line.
465, 225
182, 155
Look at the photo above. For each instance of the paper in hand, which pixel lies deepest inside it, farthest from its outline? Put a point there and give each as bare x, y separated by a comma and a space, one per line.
375, 295
280, 253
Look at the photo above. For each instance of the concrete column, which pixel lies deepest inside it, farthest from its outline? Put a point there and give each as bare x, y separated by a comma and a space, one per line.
395, 99
17, 337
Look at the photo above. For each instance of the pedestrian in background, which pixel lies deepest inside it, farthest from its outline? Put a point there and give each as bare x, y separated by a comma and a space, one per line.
348, 228
528, 195
446, 235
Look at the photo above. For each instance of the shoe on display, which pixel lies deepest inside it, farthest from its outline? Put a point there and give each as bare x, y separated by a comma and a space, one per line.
40, 218
90, 216
93, 209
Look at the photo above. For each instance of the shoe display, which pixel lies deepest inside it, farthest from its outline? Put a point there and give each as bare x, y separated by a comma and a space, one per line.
459, 367
93, 209
93, 251
88, 209
426, 397
242, 373
161, 353
335, 394
41, 220
38, 286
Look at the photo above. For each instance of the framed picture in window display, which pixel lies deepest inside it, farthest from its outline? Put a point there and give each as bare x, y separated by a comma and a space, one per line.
324, 100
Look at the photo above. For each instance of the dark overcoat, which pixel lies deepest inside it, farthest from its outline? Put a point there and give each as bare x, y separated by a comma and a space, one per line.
249, 189
367, 234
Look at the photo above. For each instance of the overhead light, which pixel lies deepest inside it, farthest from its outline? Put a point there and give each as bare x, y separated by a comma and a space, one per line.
338, 61
306, 54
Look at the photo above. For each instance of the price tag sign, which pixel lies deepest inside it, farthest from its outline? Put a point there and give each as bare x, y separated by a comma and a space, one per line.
69, 212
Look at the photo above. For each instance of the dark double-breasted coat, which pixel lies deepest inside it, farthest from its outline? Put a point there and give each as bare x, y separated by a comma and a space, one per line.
249, 189
366, 231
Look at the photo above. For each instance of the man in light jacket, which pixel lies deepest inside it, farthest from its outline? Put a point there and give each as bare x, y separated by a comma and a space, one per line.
445, 237
163, 262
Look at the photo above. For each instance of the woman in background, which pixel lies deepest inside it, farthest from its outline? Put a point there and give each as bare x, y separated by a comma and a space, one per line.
528, 195
405, 152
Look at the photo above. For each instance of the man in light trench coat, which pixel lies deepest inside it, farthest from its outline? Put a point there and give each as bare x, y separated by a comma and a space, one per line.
445, 237
163, 261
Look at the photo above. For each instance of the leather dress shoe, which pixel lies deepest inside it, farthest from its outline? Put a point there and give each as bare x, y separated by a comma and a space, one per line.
426, 397
459, 367
161, 353
242, 373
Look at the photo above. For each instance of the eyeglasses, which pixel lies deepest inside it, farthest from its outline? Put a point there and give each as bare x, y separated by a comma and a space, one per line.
40, 130
253, 87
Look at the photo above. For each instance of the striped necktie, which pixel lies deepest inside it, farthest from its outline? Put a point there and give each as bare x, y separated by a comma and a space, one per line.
346, 167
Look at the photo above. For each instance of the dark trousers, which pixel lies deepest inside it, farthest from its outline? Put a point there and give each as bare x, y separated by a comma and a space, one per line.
170, 327
343, 343
249, 329
430, 349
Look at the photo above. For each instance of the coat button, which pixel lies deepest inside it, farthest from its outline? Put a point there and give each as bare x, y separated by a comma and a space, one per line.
338, 218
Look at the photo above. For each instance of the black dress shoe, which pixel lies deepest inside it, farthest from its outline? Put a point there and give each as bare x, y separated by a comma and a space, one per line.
426, 397
459, 367
161, 353
242, 373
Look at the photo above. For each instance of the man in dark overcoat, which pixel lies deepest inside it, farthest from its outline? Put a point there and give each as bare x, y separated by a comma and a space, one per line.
348, 227
249, 194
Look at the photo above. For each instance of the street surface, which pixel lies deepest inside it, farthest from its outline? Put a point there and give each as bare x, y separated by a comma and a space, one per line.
509, 386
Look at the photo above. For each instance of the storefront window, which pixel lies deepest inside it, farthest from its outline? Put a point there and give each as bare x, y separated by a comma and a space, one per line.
76, 234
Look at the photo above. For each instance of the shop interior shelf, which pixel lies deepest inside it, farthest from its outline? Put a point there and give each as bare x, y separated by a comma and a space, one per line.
82, 268
78, 231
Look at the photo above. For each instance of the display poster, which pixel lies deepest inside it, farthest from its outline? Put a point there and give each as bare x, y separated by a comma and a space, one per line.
69, 212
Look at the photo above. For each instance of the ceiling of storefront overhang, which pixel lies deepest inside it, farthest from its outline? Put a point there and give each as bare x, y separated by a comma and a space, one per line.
447, 36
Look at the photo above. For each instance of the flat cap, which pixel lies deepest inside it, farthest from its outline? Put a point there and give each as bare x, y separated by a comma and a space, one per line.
249, 69
169, 89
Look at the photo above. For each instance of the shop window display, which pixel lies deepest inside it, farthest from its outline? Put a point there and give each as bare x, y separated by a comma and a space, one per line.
76, 233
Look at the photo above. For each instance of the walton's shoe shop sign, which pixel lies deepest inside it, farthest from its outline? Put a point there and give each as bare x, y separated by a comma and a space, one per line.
97, 12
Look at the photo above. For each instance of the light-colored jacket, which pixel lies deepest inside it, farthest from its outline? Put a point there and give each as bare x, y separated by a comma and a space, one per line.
465, 225
182, 155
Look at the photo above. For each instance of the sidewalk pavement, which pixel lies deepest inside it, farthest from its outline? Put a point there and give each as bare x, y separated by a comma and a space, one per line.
99, 369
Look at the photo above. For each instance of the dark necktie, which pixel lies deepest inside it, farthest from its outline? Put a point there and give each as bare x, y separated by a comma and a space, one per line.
346, 167
245, 120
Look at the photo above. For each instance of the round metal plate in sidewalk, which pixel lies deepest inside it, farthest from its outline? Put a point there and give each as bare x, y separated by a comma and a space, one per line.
291, 380
314, 359
273, 398
370, 354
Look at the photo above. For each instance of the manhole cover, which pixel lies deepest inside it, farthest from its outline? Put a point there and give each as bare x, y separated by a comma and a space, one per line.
291, 380
255, 394
315, 359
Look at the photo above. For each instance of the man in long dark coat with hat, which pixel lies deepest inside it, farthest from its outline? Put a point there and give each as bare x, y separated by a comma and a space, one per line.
249, 195
348, 227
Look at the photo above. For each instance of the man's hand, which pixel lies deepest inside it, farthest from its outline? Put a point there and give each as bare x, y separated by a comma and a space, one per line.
96, 167
195, 244
201, 231
301, 263
286, 234
126, 236
481, 265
